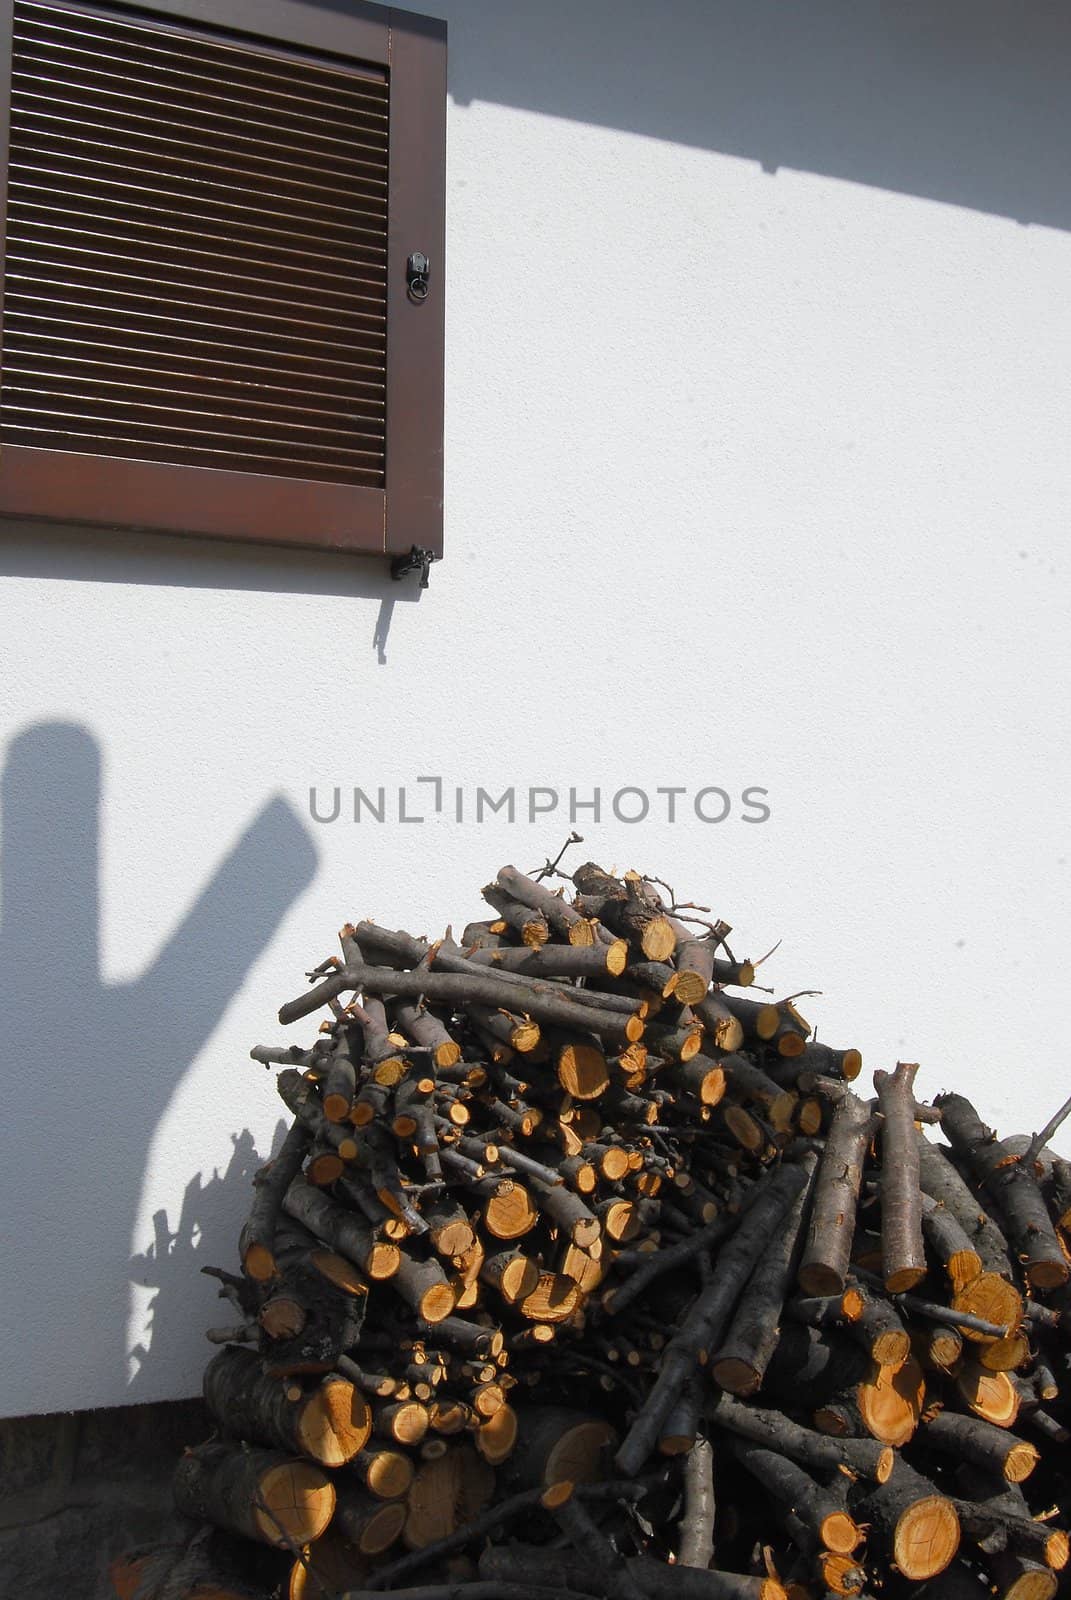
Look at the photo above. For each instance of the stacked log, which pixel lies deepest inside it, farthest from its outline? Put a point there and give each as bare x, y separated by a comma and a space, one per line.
584, 1268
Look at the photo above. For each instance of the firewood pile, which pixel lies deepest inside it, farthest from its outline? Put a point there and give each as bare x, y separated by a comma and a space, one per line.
583, 1268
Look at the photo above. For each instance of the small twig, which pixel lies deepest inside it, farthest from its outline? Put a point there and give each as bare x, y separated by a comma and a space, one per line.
330, 964
504, 1511
549, 867
757, 964
947, 1316
1040, 1140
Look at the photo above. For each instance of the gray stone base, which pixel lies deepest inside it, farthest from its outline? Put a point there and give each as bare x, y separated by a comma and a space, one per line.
78, 1489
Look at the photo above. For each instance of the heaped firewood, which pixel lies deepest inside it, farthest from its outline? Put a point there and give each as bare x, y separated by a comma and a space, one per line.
903, 1249
792, 1488
528, 924
1016, 1577
710, 1313
260, 1494
752, 1336
629, 907
968, 1438
941, 1180
861, 1457
329, 1423
916, 1524
546, 1199
558, 1445
446, 1493
552, 1572
567, 923
1011, 1186
269, 1186
339, 1228
826, 1256
995, 1515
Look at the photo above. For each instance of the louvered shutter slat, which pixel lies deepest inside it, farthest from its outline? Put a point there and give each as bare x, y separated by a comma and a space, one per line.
196, 249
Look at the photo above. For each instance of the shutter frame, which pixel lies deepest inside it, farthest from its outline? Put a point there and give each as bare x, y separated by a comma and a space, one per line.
93, 490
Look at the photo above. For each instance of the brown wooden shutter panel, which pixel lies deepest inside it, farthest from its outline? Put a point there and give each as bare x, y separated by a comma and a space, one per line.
201, 248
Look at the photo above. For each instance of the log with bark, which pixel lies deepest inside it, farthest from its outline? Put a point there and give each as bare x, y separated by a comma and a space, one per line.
583, 1269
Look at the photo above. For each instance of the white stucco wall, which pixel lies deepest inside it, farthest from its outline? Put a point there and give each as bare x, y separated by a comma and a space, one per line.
758, 402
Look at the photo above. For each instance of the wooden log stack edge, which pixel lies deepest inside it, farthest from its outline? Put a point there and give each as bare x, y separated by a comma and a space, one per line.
584, 1269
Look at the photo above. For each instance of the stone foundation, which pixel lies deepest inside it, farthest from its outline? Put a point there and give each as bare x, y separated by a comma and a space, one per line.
77, 1489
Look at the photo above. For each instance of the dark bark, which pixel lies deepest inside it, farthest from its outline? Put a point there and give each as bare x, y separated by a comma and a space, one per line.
596, 962
860, 1457
259, 1494
591, 1545
808, 1367
248, 1404
902, 1247
794, 1490
941, 1180
528, 925
696, 1526
970, 1439
751, 1338
563, 1572
540, 1000
566, 922
704, 1323
527, 1502
912, 1523
339, 1083
339, 1228
824, 1267
1012, 1188
269, 1186
949, 1242
620, 1296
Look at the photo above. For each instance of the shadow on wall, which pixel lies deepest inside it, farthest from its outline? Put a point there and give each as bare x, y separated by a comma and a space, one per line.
964, 101
203, 1236
107, 555
92, 1066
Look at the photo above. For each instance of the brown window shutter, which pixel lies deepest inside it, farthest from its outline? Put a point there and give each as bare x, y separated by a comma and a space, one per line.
207, 326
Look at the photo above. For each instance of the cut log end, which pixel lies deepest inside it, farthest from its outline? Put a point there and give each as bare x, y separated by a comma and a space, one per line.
1030, 1582
819, 1280
335, 1423
890, 1403
298, 1503
510, 1214
839, 1533
437, 1302
1047, 1274
658, 940
496, 1437
258, 1263
737, 1376
926, 1537
1020, 1461
579, 1453
582, 1071
389, 1474
904, 1279
993, 1299
616, 955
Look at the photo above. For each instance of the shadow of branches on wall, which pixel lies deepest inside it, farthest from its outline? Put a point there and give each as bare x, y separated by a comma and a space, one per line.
93, 1067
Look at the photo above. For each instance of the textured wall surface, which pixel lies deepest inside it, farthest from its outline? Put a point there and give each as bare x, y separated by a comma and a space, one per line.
758, 399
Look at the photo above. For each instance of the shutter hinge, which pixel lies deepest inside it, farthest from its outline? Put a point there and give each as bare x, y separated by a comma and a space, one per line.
418, 560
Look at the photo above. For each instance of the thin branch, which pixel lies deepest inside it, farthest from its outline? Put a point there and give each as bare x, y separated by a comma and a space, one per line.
549, 867
1040, 1140
757, 964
